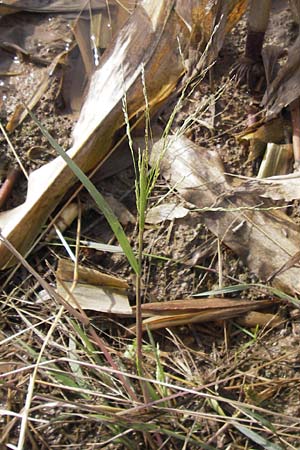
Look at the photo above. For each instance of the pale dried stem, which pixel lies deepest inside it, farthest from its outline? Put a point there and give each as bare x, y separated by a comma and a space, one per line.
295, 114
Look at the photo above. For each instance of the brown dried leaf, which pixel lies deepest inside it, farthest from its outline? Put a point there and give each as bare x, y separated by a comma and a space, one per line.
55, 6
149, 39
65, 272
286, 86
203, 12
165, 211
145, 40
95, 298
186, 311
264, 239
201, 305
93, 289
121, 212
285, 187
270, 131
254, 318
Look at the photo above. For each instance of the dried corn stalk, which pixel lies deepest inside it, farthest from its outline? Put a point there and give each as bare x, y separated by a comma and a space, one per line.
148, 40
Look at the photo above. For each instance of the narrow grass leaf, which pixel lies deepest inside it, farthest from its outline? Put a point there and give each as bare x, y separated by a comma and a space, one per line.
259, 418
257, 438
160, 373
96, 195
75, 367
284, 296
148, 427
226, 290
241, 287
55, 372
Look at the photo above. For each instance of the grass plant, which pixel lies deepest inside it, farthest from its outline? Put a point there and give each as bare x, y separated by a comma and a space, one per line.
145, 179
64, 376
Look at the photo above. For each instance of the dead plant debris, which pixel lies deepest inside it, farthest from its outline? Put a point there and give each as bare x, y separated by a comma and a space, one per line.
217, 365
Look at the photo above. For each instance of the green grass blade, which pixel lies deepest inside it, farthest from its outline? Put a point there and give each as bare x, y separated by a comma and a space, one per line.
241, 287
96, 195
260, 419
257, 438
55, 372
225, 290
160, 373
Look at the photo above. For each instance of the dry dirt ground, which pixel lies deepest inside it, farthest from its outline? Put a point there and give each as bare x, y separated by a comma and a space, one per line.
257, 366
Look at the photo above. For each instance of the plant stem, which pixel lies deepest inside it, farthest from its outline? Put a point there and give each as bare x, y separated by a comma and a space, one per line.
295, 114
139, 330
142, 199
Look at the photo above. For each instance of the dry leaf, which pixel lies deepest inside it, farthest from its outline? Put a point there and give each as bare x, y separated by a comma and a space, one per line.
201, 305
148, 40
270, 131
286, 86
102, 26
165, 211
55, 6
281, 187
264, 239
157, 28
95, 298
186, 311
65, 272
121, 212
93, 290
254, 318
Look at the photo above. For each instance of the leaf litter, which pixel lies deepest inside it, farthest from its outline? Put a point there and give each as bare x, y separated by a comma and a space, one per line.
257, 367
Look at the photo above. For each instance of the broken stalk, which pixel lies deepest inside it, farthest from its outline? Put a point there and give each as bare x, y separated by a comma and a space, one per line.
257, 24
250, 68
295, 115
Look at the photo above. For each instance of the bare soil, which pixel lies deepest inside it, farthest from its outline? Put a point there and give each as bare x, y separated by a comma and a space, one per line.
261, 369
